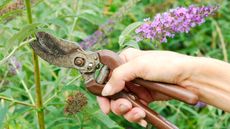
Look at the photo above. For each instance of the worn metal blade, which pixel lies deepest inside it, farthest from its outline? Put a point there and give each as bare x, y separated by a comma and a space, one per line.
55, 51
64, 53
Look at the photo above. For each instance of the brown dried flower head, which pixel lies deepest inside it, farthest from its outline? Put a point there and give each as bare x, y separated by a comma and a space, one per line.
75, 103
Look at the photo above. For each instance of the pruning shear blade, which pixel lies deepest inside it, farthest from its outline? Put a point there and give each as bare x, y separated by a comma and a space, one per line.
64, 53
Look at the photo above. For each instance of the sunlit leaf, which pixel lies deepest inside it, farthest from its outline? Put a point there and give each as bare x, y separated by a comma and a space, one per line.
3, 112
130, 28
25, 32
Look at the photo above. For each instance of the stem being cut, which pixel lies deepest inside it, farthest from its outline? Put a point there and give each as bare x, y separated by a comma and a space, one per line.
39, 105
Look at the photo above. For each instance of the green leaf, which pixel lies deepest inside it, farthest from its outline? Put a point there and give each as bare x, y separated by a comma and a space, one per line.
3, 3
190, 110
127, 31
3, 111
88, 12
26, 31
93, 7
131, 43
70, 88
94, 19
58, 22
105, 120
10, 14
79, 34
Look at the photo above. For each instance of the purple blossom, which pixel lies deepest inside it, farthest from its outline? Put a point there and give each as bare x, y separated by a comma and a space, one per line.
200, 104
91, 40
14, 66
174, 21
99, 35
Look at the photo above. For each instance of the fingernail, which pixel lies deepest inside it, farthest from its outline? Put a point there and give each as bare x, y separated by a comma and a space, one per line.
107, 89
123, 108
143, 123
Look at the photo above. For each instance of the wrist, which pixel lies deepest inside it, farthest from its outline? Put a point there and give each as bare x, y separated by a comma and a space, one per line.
211, 72
210, 79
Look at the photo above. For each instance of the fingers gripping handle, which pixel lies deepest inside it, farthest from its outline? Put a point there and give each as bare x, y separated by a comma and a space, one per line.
151, 116
171, 90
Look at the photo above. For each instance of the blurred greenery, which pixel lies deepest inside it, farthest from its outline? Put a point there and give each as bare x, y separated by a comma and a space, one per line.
76, 20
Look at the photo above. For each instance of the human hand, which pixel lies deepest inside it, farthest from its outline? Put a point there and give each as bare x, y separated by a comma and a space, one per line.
141, 64
205, 76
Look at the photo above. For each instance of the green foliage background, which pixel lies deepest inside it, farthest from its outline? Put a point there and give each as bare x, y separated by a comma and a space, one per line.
75, 20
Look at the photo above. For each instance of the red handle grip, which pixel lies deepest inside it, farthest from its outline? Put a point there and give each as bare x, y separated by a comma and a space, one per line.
174, 91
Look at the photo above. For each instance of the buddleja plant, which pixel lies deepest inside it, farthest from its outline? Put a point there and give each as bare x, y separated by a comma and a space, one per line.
167, 24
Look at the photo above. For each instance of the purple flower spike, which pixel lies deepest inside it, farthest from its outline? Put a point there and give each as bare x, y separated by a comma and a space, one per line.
176, 20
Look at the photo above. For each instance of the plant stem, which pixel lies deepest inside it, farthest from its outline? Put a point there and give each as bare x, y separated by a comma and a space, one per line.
23, 84
25, 87
16, 101
15, 49
39, 105
77, 11
224, 50
28, 9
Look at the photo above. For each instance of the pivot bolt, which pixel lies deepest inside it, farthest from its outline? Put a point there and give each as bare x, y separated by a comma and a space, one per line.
79, 61
90, 66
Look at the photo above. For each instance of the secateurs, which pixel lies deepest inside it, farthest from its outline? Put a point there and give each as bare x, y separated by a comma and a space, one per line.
68, 54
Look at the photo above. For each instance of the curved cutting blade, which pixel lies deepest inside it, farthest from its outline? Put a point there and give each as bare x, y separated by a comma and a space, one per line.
64, 53
55, 51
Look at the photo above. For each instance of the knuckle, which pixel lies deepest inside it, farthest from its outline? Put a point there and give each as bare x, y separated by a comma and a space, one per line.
120, 106
125, 54
129, 50
116, 73
114, 108
136, 110
134, 115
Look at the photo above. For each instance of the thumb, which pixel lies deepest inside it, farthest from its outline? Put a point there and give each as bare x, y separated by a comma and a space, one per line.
124, 73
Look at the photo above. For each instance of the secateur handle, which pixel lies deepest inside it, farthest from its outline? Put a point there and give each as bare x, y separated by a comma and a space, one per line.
151, 116
112, 60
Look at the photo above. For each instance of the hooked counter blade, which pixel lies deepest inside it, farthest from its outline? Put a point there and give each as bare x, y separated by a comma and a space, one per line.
55, 51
